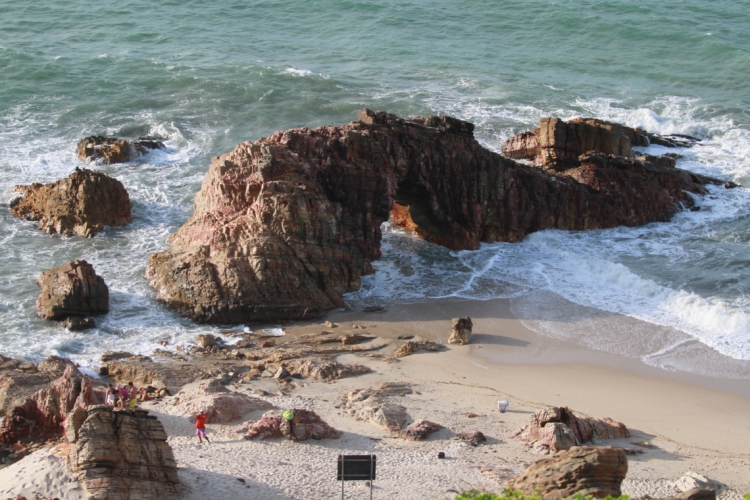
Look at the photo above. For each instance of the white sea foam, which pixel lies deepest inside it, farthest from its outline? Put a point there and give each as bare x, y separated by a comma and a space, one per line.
298, 72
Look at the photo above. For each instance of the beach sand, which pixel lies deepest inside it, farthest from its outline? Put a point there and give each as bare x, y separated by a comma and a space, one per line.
694, 424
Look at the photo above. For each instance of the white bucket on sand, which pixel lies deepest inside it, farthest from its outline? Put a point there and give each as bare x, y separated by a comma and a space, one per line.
503, 405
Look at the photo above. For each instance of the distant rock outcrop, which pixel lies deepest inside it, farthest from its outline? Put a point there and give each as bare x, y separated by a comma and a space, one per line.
82, 204
73, 289
581, 470
110, 150
560, 428
121, 455
285, 225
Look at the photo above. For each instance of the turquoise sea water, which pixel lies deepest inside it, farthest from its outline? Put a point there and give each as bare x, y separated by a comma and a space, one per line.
205, 76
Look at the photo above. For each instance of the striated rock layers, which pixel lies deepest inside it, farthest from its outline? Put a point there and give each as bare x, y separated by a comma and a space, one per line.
285, 225
110, 150
82, 204
582, 470
43, 414
73, 289
121, 455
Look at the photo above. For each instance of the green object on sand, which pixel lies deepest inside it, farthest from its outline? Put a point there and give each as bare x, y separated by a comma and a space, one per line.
288, 415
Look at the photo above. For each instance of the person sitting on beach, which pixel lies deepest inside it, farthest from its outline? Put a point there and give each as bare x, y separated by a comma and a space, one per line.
109, 397
200, 425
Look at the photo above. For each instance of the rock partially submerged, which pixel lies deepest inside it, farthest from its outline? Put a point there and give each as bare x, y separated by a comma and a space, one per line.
581, 470
461, 331
110, 150
71, 290
307, 425
285, 225
82, 204
121, 455
560, 428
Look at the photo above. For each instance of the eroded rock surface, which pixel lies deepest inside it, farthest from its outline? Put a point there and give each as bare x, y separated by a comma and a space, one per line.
420, 430
560, 428
123, 455
222, 406
73, 289
307, 425
20, 380
82, 204
110, 150
581, 470
378, 407
461, 331
285, 225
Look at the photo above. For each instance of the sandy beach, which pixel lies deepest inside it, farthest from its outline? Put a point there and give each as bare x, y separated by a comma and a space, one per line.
691, 425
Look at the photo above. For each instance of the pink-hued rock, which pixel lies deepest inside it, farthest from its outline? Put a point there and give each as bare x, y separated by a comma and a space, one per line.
581, 470
285, 225
420, 430
307, 425
73, 289
82, 204
43, 414
559, 428
473, 437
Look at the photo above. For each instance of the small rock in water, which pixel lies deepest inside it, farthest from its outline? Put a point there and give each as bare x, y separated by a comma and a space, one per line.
77, 324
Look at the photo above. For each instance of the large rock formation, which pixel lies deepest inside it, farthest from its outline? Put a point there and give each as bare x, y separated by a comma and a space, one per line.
110, 150
122, 455
73, 289
82, 204
582, 470
20, 380
222, 406
560, 428
285, 225
43, 414
377, 405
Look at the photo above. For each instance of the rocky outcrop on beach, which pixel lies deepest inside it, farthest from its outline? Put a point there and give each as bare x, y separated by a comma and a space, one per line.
81, 204
420, 430
581, 470
377, 406
560, 428
306, 425
471, 436
122, 455
110, 150
19, 380
71, 290
222, 406
42, 414
285, 225
412, 346
461, 331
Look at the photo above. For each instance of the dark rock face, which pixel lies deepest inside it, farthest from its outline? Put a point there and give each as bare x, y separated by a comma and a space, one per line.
582, 470
19, 380
82, 204
285, 225
122, 455
73, 289
110, 150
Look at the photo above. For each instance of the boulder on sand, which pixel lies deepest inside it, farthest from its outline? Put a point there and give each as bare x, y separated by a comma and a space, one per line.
222, 406
73, 289
82, 204
377, 407
110, 150
461, 331
122, 455
307, 425
581, 470
420, 430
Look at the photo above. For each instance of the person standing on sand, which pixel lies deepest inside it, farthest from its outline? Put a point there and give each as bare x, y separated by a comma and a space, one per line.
200, 425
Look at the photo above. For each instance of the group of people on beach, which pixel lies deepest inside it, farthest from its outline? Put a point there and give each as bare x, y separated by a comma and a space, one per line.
122, 396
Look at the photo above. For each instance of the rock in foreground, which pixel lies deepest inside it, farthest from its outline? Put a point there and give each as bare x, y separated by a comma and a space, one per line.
285, 225
582, 470
122, 455
73, 289
461, 331
307, 425
82, 204
420, 430
110, 150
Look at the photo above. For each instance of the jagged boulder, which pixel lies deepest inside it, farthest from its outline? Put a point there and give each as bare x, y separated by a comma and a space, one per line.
324, 368
43, 414
73, 289
221, 405
110, 150
420, 430
461, 331
285, 225
581, 470
20, 380
82, 204
472, 436
377, 407
306, 425
559, 428
122, 455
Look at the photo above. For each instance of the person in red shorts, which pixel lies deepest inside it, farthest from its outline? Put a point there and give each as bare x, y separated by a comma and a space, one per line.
200, 425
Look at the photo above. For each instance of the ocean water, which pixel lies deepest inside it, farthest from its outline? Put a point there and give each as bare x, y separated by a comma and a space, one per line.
205, 76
